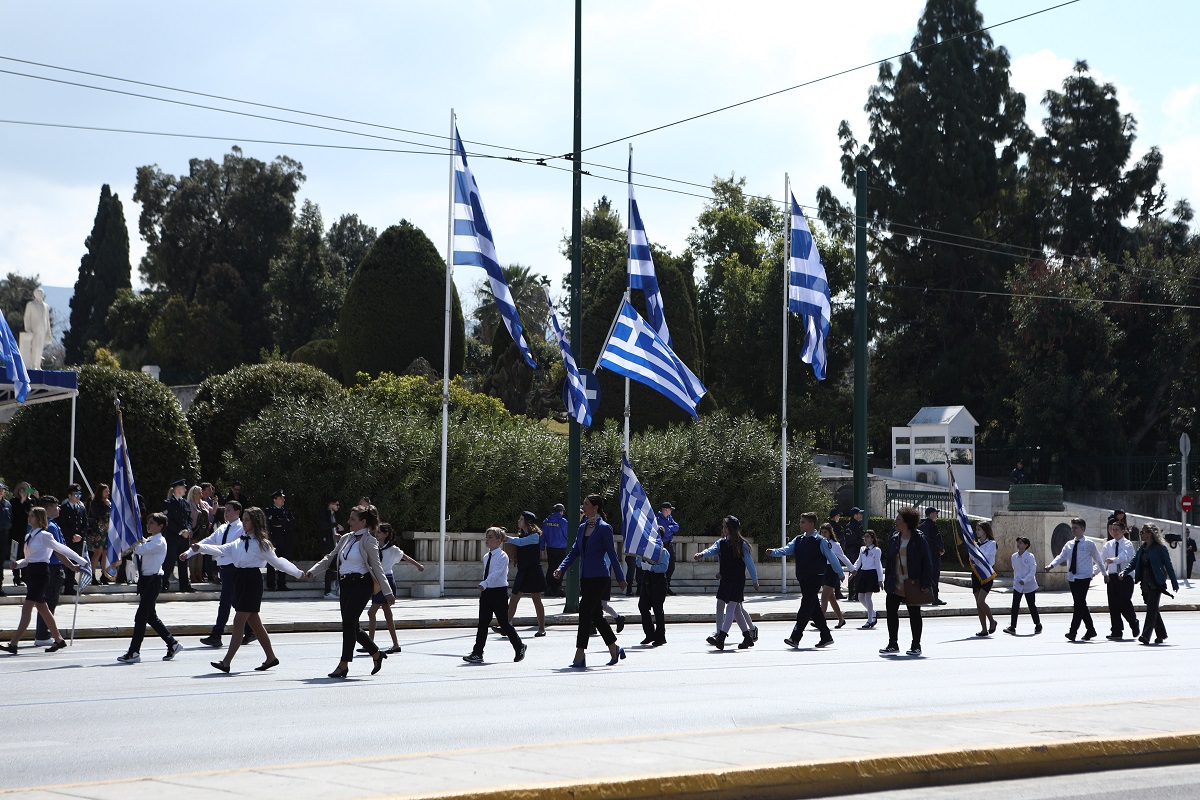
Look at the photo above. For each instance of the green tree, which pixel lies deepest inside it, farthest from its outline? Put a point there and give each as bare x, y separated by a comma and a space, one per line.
349, 239
307, 284
103, 271
395, 306
195, 339
15, 291
129, 320
528, 290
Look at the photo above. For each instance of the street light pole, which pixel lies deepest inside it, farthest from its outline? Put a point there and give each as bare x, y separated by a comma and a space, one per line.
574, 448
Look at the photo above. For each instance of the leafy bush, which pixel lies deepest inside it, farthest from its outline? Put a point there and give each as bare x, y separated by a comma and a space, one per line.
322, 354
418, 394
395, 307
36, 446
224, 403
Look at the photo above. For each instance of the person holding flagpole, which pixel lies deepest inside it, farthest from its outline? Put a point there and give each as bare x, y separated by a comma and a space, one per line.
594, 541
150, 554
980, 588
39, 545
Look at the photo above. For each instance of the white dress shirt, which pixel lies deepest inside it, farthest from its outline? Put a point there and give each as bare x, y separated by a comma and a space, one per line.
151, 553
988, 548
389, 558
351, 559
840, 553
495, 569
1120, 551
1025, 572
246, 553
1087, 564
39, 544
229, 532
870, 558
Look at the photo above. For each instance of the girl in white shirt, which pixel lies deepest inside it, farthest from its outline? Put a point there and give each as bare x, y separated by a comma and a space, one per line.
39, 545
831, 581
869, 569
1024, 585
389, 556
987, 545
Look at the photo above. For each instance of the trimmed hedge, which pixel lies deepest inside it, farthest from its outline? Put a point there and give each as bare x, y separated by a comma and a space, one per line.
36, 445
322, 354
418, 394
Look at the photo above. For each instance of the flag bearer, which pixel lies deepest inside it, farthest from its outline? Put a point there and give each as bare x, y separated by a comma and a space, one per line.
150, 553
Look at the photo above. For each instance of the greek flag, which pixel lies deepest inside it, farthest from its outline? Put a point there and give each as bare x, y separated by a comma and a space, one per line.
125, 527
639, 526
14, 366
475, 247
636, 351
808, 291
577, 406
979, 563
641, 266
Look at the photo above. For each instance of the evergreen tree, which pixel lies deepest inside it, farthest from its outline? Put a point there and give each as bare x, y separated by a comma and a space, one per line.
349, 239
307, 285
103, 271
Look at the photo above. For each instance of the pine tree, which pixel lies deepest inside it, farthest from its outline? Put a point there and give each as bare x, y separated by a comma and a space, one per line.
103, 271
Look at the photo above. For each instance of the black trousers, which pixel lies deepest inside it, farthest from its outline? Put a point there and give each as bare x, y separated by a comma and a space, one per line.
937, 571
275, 578
4, 552
671, 566
554, 557
591, 612
1029, 601
356, 590
176, 544
53, 593
225, 604
654, 594
148, 588
631, 572
494, 603
1079, 612
892, 605
1151, 595
810, 609
1120, 604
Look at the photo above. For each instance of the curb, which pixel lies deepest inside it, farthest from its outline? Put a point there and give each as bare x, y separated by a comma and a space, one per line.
882, 773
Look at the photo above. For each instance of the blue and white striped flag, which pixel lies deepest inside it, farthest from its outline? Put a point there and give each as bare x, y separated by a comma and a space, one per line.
641, 266
635, 350
808, 291
639, 525
475, 247
125, 527
979, 564
14, 365
577, 405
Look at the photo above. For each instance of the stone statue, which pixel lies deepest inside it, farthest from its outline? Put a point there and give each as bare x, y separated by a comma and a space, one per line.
36, 335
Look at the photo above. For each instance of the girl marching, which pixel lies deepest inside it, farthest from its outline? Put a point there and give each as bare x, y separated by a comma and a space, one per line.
832, 580
734, 559
39, 544
869, 571
389, 556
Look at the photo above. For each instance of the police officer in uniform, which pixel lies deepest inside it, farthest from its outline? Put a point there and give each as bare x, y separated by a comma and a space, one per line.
937, 548
668, 527
73, 522
852, 542
179, 519
281, 527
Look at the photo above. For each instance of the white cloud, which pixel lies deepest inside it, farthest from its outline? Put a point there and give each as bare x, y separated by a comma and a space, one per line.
1181, 104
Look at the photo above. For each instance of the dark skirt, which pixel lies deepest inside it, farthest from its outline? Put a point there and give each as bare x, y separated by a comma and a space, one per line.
530, 579
248, 590
866, 582
831, 579
37, 580
976, 584
379, 598
732, 591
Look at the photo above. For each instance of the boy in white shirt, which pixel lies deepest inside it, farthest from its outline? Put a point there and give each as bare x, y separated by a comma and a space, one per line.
150, 553
493, 598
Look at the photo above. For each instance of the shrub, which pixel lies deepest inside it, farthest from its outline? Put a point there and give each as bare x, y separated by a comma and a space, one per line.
36, 446
224, 403
395, 307
322, 354
418, 394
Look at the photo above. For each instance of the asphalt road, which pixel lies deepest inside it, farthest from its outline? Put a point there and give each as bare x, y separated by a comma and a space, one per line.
64, 723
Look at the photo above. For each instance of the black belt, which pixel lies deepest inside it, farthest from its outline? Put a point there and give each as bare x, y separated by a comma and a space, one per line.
353, 576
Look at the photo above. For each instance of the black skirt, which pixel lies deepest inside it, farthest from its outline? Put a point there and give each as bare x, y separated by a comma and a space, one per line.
831, 579
976, 584
530, 579
732, 591
37, 580
248, 590
866, 582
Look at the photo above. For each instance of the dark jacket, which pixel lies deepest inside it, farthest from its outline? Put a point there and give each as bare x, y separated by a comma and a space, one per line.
179, 515
933, 536
920, 565
853, 533
281, 523
1159, 559
6, 517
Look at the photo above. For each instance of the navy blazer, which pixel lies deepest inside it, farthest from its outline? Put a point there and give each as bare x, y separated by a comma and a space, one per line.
591, 555
920, 563
1160, 564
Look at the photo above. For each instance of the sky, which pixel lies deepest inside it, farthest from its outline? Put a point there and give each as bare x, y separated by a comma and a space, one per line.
506, 70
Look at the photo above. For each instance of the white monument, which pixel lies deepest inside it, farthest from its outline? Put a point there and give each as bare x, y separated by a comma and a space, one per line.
36, 336
919, 449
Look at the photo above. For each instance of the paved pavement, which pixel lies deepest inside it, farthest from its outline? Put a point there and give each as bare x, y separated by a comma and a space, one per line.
666, 721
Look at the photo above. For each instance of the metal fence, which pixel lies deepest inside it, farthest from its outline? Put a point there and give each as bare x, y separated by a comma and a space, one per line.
1111, 474
941, 499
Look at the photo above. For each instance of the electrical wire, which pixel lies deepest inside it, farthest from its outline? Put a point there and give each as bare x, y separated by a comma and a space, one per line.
1065, 298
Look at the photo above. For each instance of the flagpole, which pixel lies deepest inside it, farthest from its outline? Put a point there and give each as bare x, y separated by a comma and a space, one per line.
628, 233
783, 431
446, 364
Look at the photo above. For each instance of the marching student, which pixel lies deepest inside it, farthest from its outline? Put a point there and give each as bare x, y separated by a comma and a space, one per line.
1083, 561
248, 554
813, 556
40, 544
987, 546
1151, 567
530, 579
831, 586
230, 531
595, 549
150, 552
907, 566
733, 559
356, 559
1025, 585
493, 598
389, 556
868, 576
1117, 554
652, 597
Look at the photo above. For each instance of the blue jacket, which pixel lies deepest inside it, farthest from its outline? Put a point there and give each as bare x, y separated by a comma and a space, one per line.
554, 531
591, 556
670, 528
56, 532
1159, 559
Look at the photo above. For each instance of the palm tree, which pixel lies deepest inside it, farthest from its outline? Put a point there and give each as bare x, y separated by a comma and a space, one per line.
528, 291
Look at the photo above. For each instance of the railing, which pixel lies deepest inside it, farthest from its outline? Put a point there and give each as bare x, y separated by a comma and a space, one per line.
1108, 474
920, 499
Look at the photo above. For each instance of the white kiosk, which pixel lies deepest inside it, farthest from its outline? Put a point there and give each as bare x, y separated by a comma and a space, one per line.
919, 449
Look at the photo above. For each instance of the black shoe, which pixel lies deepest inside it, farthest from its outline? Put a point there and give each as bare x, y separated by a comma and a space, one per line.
712, 639
747, 641
285, 588
1159, 639
474, 658
1115, 637
1011, 629
1137, 628
891, 648
648, 640
1037, 629
754, 633
378, 656
719, 642
211, 641
629, 591
659, 642
59, 645
520, 655
1087, 637
620, 623
1071, 635
670, 592
825, 641
249, 638
793, 641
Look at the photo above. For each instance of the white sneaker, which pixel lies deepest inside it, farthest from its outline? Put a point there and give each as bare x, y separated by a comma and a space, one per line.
330, 596
43, 642
172, 650
130, 658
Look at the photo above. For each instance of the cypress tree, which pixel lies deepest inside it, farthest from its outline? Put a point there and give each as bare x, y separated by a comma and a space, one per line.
103, 270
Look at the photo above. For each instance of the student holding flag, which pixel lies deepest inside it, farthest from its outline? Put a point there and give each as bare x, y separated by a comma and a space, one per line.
987, 546
150, 553
594, 541
734, 560
652, 597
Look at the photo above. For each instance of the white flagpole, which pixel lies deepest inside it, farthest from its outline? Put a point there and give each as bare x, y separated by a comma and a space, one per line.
446, 365
628, 277
783, 433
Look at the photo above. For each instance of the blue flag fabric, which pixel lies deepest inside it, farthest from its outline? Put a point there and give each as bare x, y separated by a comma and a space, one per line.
639, 525
636, 351
475, 247
979, 564
125, 527
14, 365
577, 405
808, 291
641, 266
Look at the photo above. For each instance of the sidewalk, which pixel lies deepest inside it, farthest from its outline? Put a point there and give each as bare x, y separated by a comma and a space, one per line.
192, 615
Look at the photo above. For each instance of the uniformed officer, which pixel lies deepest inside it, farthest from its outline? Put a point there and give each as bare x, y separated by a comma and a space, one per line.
281, 527
177, 532
668, 527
